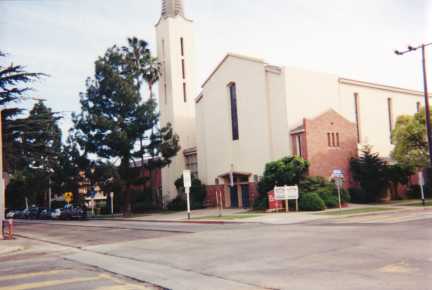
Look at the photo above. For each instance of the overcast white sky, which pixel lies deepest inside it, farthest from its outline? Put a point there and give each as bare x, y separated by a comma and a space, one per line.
350, 38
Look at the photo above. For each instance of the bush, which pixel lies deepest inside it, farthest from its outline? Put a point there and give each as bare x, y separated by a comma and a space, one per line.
358, 195
414, 192
261, 202
311, 202
327, 191
198, 192
177, 204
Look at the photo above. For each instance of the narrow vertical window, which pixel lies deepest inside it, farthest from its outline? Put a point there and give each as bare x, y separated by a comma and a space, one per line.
337, 140
299, 145
182, 46
183, 69
234, 113
333, 140
357, 116
184, 93
165, 94
390, 115
418, 107
329, 139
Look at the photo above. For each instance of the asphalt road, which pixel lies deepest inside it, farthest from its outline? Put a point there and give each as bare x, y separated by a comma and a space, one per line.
327, 255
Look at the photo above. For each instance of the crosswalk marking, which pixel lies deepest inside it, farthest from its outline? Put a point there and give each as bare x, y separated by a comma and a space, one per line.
29, 275
51, 283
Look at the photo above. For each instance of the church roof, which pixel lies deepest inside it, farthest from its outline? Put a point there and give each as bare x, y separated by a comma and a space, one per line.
172, 8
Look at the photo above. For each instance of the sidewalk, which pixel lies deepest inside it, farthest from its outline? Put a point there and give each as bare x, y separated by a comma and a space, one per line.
211, 215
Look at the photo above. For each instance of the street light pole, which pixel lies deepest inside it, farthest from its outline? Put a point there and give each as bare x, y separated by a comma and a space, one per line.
428, 118
426, 93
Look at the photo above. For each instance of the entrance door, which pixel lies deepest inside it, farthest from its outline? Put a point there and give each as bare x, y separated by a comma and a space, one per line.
245, 195
234, 196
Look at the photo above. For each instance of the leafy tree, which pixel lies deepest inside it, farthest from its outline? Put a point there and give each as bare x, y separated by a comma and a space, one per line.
369, 170
286, 171
396, 175
116, 123
410, 139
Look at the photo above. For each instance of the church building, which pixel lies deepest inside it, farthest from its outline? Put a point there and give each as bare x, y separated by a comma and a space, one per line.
249, 113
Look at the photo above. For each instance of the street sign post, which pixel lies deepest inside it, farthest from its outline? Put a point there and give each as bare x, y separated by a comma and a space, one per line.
338, 177
422, 184
68, 196
112, 202
287, 193
187, 183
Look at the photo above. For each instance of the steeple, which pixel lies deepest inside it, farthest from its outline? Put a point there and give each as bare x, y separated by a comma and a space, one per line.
172, 8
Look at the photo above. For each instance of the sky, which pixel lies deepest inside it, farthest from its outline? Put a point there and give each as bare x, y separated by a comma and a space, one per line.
349, 38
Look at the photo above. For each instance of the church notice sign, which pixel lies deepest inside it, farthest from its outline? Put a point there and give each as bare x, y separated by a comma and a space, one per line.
286, 192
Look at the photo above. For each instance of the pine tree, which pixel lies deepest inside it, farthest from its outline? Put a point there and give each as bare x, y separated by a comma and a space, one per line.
116, 123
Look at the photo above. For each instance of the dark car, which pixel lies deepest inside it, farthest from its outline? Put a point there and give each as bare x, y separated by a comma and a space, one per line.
70, 213
32, 213
45, 214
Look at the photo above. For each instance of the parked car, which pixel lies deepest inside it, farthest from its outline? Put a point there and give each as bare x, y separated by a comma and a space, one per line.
56, 213
45, 214
32, 213
70, 213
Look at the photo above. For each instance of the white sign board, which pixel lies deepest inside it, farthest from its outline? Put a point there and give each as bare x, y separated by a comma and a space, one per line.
286, 192
421, 179
187, 180
337, 173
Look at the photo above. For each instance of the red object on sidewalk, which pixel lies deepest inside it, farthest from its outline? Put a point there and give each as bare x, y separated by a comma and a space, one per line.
272, 202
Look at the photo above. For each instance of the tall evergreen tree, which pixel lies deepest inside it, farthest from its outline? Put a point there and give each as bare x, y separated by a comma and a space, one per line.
115, 121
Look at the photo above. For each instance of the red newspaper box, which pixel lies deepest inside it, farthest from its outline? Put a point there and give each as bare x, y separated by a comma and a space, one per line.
272, 202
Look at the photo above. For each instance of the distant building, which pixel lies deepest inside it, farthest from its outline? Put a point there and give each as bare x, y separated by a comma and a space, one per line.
250, 112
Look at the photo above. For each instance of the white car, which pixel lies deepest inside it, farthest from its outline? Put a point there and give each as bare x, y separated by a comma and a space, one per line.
55, 214
10, 214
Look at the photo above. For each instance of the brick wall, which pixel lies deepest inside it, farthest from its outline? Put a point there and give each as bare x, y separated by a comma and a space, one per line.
211, 195
324, 158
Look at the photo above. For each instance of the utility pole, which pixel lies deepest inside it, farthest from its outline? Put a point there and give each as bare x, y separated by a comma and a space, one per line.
426, 94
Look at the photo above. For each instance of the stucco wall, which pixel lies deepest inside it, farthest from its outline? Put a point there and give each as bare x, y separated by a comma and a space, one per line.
216, 148
173, 109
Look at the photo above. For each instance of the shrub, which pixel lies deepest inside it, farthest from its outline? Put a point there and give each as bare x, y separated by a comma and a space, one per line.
414, 192
327, 191
311, 202
370, 171
261, 203
177, 204
198, 192
358, 195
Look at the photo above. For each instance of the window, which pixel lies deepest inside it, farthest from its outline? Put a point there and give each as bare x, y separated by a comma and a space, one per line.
298, 145
357, 116
165, 94
234, 113
418, 107
192, 164
390, 115
184, 93
183, 69
182, 46
333, 140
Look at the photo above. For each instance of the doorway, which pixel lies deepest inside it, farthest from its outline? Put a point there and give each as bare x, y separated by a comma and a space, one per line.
234, 196
245, 195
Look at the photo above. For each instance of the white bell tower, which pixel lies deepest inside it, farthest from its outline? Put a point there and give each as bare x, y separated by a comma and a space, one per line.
176, 85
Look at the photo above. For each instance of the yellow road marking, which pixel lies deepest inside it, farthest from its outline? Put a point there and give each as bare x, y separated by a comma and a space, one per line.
29, 275
51, 283
124, 286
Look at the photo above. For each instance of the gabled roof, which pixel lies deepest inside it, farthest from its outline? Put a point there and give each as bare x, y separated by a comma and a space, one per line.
239, 56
